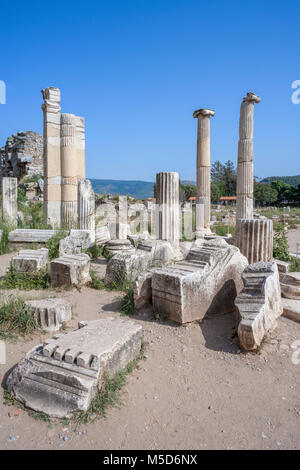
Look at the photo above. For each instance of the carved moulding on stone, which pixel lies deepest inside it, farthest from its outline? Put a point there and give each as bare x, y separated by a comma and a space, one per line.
259, 303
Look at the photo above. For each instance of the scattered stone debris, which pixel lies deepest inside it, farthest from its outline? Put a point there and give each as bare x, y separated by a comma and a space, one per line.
52, 313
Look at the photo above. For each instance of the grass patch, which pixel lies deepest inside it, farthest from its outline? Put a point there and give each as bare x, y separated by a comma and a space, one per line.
53, 244
96, 282
25, 281
295, 264
4, 243
16, 320
127, 302
96, 251
223, 230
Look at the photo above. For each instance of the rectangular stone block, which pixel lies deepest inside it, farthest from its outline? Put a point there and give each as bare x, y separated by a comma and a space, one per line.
30, 260
70, 270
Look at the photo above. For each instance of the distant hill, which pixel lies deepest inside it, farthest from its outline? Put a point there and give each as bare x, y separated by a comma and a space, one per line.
137, 189
292, 180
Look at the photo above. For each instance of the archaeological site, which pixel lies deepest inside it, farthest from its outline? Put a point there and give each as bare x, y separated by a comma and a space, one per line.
161, 319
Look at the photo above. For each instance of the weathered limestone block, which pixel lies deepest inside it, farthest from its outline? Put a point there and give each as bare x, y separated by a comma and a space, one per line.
259, 303
22, 235
30, 260
206, 282
119, 246
76, 242
142, 289
149, 253
102, 235
10, 200
50, 313
62, 376
254, 238
290, 285
70, 270
291, 309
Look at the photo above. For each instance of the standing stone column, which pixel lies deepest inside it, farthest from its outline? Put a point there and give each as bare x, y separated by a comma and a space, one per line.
122, 220
244, 203
203, 172
86, 205
52, 161
167, 208
10, 200
69, 160
80, 143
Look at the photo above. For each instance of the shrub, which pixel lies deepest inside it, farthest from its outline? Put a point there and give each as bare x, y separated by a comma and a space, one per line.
280, 244
4, 243
127, 303
295, 264
25, 281
16, 319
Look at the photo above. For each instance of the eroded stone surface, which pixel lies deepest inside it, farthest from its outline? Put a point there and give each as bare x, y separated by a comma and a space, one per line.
259, 303
129, 265
30, 260
102, 235
70, 270
206, 282
76, 242
27, 235
291, 309
63, 375
290, 285
50, 313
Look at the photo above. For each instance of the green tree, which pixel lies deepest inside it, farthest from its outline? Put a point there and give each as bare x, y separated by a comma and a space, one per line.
265, 194
216, 191
285, 191
224, 174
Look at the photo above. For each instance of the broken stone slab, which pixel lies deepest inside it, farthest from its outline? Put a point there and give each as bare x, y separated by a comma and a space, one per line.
259, 303
290, 285
207, 282
291, 309
30, 235
128, 265
30, 260
102, 235
70, 270
283, 266
63, 375
76, 242
50, 313
142, 289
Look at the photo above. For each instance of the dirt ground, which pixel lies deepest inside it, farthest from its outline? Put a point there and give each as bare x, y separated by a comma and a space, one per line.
195, 390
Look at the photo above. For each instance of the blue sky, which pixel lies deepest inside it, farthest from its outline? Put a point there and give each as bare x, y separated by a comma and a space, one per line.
136, 70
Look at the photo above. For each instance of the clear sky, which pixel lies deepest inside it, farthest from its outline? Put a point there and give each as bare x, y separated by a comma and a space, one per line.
136, 70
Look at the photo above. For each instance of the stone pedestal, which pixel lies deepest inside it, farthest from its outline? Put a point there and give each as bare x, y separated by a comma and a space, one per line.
70, 270
52, 161
167, 208
10, 200
50, 313
254, 238
86, 205
30, 260
203, 172
244, 203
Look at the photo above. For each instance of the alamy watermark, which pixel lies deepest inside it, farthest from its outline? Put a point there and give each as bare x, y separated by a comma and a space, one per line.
2, 352
296, 354
2, 92
296, 94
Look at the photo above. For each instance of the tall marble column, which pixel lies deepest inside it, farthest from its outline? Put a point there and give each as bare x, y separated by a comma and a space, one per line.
69, 170
203, 171
52, 160
9, 200
167, 208
244, 191
80, 143
86, 205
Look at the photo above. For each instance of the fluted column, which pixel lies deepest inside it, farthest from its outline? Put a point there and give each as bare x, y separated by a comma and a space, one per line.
52, 160
86, 205
167, 208
203, 171
254, 238
80, 143
9, 199
244, 209
69, 169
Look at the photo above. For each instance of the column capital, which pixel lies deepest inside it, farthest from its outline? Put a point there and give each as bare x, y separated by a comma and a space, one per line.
51, 97
251, 97
203, 112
